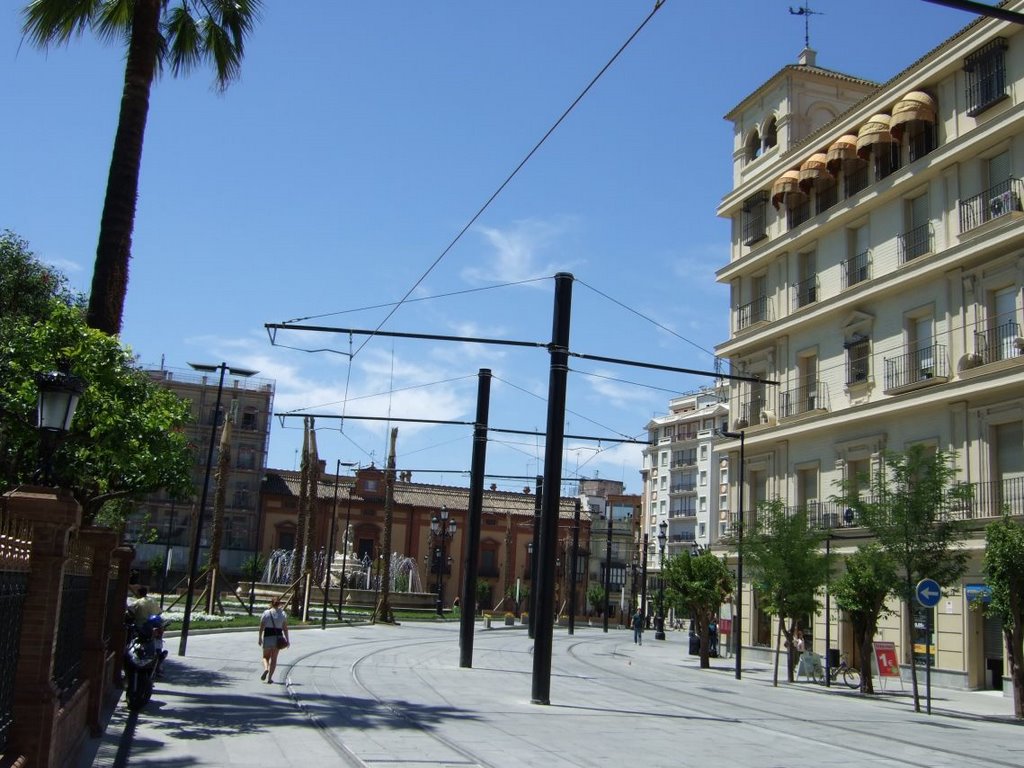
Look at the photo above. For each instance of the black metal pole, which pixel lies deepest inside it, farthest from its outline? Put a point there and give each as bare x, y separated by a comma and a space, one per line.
439, 551
193, 560
553, 447
608, 571
538, 498
643, 580
828, 611
738, 618
475, 513
574, 573
659, 620
330, 547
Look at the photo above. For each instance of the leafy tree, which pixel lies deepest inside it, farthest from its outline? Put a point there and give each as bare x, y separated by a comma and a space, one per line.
697, 585
910, 513
595, 598
861, 591
180, 33
1004, 573
126, 439
787, 569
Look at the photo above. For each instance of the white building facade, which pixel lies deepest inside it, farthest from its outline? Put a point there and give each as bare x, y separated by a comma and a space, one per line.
876, 270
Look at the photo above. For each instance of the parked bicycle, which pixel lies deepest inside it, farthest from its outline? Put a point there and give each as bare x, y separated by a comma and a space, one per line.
850, 675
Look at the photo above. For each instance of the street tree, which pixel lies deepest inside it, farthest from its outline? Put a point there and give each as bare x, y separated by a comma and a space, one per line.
181, 34
696, 585
788, 569
595, 598
1004, 574
862, 591
126, 439
911, 511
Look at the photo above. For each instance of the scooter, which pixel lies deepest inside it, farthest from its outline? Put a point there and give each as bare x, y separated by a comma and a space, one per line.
143, 654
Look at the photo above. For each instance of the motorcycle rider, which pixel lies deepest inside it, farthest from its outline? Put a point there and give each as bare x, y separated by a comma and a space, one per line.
142, 609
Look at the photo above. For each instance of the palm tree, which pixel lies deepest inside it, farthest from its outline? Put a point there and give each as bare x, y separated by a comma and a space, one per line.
181, 33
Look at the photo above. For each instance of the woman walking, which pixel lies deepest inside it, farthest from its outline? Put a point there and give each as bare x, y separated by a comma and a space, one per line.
273, 637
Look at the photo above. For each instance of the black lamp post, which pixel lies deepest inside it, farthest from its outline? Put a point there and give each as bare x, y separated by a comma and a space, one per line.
659, 620
193, 560
441, 530
59, 392
738, 617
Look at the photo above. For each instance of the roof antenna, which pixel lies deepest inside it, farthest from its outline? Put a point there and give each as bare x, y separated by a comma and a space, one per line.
806, 12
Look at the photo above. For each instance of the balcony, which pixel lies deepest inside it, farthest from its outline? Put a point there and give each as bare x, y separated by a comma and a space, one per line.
805, 292
676, 512
753, 410
688, 459
915, 242
919, 368
997, 202
752, 312
690, 487
1001, 342
856, 269
800, 400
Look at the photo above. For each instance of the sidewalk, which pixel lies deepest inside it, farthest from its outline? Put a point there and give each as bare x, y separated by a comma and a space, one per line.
362, 695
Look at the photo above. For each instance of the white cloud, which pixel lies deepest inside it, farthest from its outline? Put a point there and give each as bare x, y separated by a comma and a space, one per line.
518, 251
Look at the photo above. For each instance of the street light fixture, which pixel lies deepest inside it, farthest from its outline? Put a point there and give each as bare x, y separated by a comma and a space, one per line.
57, 400
197, 533
738, 617
659, 620
441, 530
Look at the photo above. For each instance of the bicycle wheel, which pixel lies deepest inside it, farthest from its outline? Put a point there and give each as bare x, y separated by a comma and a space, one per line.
851, 676
818, 675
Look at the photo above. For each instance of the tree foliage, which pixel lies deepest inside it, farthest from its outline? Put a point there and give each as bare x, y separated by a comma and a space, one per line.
180, 33
787, 568
1004, 574
911, 511
862, 591
126, 439
697, 585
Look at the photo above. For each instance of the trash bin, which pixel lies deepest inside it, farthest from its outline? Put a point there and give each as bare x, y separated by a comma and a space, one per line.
694, 644
833, 657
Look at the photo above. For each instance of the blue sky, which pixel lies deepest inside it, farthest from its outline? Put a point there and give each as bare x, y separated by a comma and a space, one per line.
363, 137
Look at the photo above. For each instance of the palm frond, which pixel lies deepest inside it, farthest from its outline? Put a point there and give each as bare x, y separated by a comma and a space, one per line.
57, 21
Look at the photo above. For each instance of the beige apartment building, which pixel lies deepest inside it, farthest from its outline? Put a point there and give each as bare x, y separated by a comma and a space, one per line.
876, 266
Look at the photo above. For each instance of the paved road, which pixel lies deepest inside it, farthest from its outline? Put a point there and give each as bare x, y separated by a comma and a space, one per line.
395, 697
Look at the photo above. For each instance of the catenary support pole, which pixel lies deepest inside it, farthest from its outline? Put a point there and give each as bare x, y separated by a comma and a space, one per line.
475, 512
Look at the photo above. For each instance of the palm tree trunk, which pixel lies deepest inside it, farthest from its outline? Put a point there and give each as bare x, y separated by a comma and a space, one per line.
110, 272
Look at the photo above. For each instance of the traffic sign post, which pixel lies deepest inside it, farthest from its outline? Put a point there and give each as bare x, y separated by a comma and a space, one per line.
928, 594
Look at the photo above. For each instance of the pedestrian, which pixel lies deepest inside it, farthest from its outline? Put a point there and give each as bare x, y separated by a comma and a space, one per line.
638, 628
273, 637
143, 607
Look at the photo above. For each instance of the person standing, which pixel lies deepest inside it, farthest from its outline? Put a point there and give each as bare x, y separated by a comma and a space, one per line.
638, 628
273, 637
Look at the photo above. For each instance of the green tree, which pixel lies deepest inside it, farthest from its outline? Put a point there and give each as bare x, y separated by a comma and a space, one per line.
861, 591
178, 33
788, 569
595, 598
126, 439
697, 585
1004, 574
910, 512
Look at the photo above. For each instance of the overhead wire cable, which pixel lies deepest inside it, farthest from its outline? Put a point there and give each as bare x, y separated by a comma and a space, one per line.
515, 171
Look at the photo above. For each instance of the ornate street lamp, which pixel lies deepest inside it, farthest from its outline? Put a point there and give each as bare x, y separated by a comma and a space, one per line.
441, 530
59, 392
659, 620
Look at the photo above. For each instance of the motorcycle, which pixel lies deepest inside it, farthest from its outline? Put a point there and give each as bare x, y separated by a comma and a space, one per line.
143, 654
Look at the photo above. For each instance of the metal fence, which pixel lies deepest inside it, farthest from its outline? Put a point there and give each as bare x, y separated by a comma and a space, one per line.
15, 563
67, 660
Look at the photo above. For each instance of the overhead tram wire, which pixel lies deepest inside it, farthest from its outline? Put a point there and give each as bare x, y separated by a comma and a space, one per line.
515, 343
515, 171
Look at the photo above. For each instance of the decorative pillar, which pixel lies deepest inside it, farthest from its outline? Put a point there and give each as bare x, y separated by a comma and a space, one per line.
122, 557
52, 514
94, 650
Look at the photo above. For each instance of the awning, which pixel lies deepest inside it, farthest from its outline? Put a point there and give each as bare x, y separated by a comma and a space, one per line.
842, 151
916, 106
786, 190
814, 171
874, 131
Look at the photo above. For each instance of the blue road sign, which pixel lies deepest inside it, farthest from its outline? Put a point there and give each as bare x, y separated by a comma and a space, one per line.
928, 592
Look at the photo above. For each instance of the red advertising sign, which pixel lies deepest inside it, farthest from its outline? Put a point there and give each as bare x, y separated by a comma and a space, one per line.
885, 658
724, 626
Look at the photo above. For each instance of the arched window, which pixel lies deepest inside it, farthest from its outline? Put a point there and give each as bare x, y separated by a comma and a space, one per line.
771, 137
753, 146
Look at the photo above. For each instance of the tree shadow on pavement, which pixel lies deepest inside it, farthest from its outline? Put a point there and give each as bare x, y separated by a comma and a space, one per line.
365, 714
